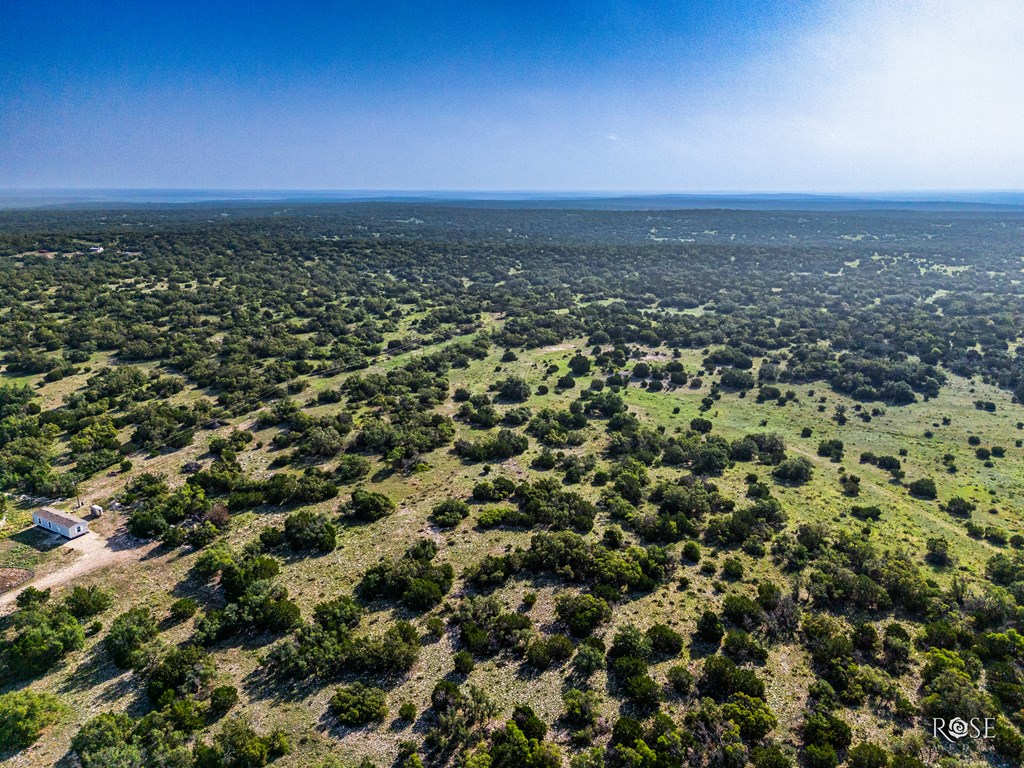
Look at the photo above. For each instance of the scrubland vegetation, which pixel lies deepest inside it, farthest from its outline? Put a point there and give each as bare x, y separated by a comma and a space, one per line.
504, 488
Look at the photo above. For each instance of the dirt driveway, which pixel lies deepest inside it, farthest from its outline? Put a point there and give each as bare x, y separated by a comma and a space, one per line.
92, 552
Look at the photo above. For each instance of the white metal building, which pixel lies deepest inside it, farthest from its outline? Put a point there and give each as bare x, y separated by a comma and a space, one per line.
66, 525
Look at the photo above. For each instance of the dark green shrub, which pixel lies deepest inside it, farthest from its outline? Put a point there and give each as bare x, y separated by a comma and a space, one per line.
960, 507
680, 678
543, 652
752, 715
732, 568
527, 721
582, 613
181, 672
589, 657
352, 467
831, 449
824, 728
795, 471
83, 602
642, 691
369, 506
128, 634
202, 535
923, 488
710, 628
741, 647
449, 513
822, 756
463, 662
691, 551
222, 699
664, 640
514, 389
701, 426
413, 579
309, 530
271, 537
867, 755
770, 756
359, 704
183, 608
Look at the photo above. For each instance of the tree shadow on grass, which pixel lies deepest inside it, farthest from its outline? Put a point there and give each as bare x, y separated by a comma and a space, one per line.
264, 684
94, 670
701, 649
37, 539
199, 588
110, 683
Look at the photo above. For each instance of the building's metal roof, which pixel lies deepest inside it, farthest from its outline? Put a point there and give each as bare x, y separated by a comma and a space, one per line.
58, 517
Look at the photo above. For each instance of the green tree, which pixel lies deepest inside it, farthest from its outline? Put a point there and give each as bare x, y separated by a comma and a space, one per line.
310, 530
359, 704
23, 716
128, 635
369, 506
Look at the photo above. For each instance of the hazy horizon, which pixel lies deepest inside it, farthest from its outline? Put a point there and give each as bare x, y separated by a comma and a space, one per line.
1008, 201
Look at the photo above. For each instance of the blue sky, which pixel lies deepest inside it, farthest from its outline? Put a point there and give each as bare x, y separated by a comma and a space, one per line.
597, 96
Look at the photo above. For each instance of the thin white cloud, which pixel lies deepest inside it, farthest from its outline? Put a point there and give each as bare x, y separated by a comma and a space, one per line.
885, 95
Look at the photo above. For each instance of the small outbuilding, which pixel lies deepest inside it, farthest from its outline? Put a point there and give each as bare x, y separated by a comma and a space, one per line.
67, 525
